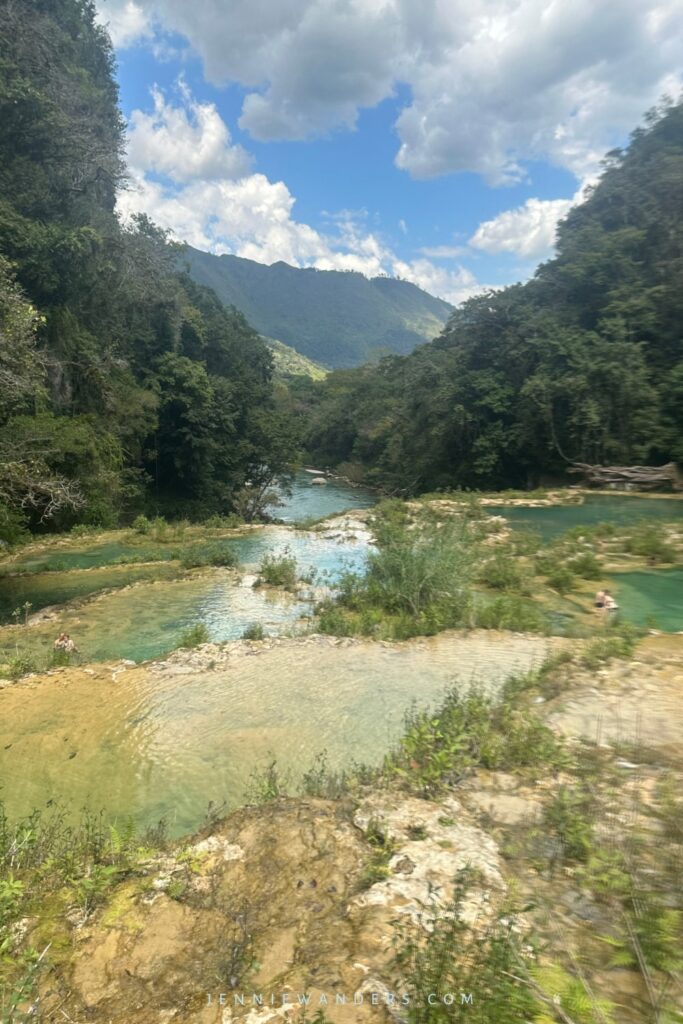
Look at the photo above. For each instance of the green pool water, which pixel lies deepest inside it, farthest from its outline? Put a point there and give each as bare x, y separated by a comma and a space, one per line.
149, 620
93, 556
649, 598
54, 588
552, 520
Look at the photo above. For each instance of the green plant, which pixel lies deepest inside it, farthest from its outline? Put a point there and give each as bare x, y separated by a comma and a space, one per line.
142, 525
194, 636
570, 996
468, 731
91, 889
254, 632
618, 642
278, 571
376, 867
267, 784
83, 530
59, 659
462, 973
587, 565
647, 541
208, 554
177, 889
11, 896
21, 665
561, 579
502, 572
652, 937
606, 874
223, 522
319, 780
568, 816
510, 611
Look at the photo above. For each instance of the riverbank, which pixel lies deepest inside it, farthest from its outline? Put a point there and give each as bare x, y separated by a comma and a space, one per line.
328, 896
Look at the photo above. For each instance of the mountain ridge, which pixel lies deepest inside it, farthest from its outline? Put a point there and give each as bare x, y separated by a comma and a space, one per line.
336, 318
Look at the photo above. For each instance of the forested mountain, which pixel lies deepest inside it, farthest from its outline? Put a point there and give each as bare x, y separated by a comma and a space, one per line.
582, 363
335, 318
123, 384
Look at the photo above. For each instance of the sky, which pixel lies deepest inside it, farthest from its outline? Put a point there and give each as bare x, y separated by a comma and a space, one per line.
435, 140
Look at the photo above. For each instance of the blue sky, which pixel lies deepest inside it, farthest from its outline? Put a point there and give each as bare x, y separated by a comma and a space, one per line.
437, 141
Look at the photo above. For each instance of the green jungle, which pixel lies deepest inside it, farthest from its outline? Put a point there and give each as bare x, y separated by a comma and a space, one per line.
406, 728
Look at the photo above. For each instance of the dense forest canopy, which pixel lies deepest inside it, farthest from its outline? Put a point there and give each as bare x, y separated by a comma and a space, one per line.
583, 363
126, 386
123, 384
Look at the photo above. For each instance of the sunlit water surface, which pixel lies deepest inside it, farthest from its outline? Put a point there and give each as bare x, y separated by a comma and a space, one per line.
162, 741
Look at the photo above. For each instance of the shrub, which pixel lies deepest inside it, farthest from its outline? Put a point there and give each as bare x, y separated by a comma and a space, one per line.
617, 643
194, 636
82, 530
568, 816
208, 554
254, 632
218, 522
20, 665
647, 541
141, 524
561, 579
59, 659
469, 731
503, 573
413, 569
484, 963
587, 565
278, 571
267, 784
510, 612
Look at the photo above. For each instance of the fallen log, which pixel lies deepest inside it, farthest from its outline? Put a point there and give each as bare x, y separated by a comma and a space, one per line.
631, 478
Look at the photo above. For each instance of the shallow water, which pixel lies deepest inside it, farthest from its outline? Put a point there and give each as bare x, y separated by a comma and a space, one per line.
164, 740
649, 598
552, 520
309, 501
91, 555
149, 620
52, 588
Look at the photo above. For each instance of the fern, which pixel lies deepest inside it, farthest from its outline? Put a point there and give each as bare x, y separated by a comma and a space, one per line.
568, 992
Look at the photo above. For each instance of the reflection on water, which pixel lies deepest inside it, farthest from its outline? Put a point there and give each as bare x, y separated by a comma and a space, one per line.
552, 520
164, 740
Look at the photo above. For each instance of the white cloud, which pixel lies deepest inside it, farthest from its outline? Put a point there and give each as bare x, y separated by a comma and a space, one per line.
493, 83
183, 168
528, 231
185, 142
126, 21
444, 252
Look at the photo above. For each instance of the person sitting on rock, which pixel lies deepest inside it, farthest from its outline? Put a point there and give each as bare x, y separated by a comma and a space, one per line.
600, 600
